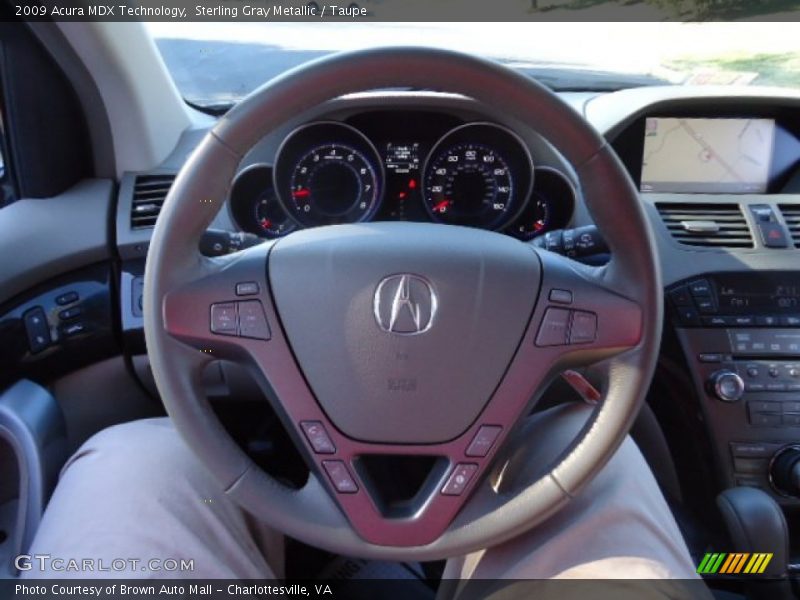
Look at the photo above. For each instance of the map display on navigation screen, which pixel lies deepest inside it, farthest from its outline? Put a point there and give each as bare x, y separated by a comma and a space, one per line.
707, 155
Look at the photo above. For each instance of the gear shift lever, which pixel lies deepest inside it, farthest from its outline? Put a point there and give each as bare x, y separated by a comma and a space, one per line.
756, 523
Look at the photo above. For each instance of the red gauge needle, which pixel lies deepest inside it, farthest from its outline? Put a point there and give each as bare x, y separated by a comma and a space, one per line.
442, 206
301, 193
266, 223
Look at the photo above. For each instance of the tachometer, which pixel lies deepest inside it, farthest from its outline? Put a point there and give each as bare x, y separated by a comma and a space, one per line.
333, 183
477, 175
328, 173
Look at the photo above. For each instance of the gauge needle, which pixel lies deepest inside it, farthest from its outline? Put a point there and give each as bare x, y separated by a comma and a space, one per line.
442, 206
301, 193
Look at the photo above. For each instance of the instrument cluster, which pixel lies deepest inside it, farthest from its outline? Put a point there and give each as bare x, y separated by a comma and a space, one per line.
402, 167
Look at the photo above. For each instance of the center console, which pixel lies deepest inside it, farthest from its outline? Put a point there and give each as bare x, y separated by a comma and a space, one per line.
740, 333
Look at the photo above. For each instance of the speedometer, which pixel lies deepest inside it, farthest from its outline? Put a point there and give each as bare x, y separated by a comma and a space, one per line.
470, 184
478, 175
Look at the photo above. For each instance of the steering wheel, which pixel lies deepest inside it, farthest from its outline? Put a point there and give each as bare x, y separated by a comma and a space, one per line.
401, 339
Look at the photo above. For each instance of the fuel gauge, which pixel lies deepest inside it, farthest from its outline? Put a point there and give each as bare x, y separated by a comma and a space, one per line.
549, 207
270, 216
254, 205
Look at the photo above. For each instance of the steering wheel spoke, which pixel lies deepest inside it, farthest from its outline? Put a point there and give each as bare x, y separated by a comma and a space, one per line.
219, 308
581, 319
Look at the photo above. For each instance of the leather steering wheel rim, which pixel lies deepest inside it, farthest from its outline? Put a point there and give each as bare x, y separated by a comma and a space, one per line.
633, 276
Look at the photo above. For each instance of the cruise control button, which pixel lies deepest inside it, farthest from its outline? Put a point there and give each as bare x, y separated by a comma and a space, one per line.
318, 437
223, 318
340, 477
483, 441
584, 327
553, 330
459, 479
252, 321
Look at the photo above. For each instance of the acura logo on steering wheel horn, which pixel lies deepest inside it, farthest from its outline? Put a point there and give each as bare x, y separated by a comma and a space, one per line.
405, 304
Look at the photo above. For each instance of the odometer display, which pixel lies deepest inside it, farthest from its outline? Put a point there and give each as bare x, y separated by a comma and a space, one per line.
478, 175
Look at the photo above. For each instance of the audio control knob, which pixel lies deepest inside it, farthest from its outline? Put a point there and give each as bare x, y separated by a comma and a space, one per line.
726, 385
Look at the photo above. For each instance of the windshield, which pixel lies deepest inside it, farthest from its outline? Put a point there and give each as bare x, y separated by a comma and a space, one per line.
215, 64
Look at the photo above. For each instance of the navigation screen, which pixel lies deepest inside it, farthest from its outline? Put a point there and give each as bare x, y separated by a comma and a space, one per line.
707, 155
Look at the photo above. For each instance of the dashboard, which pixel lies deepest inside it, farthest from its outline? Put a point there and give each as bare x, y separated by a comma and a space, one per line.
402, 165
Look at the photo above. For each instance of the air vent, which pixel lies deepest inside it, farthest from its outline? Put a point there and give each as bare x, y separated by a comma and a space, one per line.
706, 225
149, 192
791, 214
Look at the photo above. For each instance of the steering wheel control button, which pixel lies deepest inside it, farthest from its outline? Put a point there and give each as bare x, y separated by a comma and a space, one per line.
483, 441
584, 327
67, 298
561, 296
69, 313
318, 437
247, 288
223, 318
340, 477
459, 479
554, 328
252, 321
37, 328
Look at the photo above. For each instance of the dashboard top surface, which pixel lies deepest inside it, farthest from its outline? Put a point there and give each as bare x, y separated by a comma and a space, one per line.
391, 118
